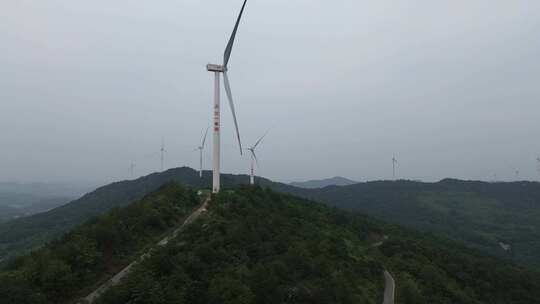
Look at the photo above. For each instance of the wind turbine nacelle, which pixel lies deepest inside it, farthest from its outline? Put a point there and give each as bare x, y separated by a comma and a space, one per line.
215, 68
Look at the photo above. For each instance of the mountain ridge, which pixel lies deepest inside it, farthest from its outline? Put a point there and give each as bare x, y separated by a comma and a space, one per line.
255, 245
479, 214
324, 182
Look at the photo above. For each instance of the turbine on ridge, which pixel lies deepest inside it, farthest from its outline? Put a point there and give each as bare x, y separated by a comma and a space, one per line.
394, 163
254, 159
217, 70
538, 166
132, 169
201, 148
162, 151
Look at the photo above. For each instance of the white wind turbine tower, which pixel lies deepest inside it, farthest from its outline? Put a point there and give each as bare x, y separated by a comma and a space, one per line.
394, 163
222, 69
254, 159
201, 148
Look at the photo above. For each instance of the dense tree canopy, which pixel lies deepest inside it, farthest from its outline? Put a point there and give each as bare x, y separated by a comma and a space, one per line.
480, 215
65, 268
257, 246
484, 216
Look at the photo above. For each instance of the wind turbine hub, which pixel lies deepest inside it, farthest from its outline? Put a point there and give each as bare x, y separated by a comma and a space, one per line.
216, 68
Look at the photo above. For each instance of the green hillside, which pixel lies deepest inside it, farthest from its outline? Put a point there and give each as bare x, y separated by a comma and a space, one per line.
68, 267
484, 216
481, 215
23, 234
258, 246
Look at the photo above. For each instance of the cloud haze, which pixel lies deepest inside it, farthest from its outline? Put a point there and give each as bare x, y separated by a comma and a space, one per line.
450, 87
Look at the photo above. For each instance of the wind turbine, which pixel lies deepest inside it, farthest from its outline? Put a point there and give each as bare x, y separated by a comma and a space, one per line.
222, 69
254, 159
162, 151
201, 148
394, 163
538, 162
131, 169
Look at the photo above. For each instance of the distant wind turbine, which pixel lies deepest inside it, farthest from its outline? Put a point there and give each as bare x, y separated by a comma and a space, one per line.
162, 151
538, 164
222, 69
201, 148
394, 163
132, 169
254, 159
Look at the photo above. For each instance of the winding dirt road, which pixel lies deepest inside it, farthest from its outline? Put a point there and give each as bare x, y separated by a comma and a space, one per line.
124, 272
389, 288
389, 282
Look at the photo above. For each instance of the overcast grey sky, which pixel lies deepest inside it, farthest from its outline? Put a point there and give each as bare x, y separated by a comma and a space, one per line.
451, 87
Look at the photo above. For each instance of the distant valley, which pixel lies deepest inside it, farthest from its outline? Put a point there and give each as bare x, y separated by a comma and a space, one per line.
24, 199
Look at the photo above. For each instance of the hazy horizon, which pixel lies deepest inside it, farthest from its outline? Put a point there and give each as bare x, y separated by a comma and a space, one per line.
91, 184
450, 88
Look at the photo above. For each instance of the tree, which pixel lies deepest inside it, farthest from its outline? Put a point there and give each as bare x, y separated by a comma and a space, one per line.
225, 289
409, 292
57, 279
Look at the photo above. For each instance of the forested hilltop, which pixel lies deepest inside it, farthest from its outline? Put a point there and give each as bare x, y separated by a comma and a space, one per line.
258, 246
502, 219
73, 265
20, 235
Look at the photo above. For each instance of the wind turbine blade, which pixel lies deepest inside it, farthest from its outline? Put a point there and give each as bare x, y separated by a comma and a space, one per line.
231, 104
255, 157
229, 47
204, 139
260, 139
